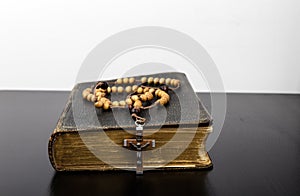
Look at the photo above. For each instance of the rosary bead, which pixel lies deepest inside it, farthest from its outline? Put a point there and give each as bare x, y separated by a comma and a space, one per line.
157, 91
115, 103
172, 82
162, 81
156, 80
102, 85
106, 105
176, 82
163, 101
119, 81
125, 80
146, 89
89, 97
103, 99
159, 94
134, 97
85, 93
131, 80
150, 80
137, 104
151, 90
93, 98
122, 103
108, 90
97, 91
128, 89
143, 97
129, 101
114, 89
100, 94
149, 95
168, 80
98, 104
140, 90
134, 88
144, 79
120, 89
135, 110
168, 97
88, 90
164, 88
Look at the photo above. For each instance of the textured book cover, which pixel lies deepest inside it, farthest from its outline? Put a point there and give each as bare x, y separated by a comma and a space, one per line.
89, 138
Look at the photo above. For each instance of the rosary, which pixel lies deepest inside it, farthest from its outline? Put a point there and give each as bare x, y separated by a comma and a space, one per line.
143, 94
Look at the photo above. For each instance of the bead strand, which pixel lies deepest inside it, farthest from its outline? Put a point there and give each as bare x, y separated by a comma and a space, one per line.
139, 94
150, 80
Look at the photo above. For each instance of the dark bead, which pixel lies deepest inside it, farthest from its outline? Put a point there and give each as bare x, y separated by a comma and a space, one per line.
164, 88
102, 85
135, 110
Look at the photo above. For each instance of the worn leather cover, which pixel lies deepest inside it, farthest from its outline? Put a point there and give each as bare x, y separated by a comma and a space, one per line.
184, 110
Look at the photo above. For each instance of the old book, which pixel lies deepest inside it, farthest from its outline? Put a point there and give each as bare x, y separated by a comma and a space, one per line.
88, 138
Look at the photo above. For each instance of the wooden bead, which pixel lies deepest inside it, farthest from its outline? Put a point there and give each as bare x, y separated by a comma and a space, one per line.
129, 101
134, 97
146, 89
97, 91
168, 80
89, 97
85, 93
120, 89
134, 87
166, 96
144, 79
143, 97
125, 80
106, 105
98, 94
163, 101
156, 80
162, 81
122, 103
176, 82
128, 89
119, 81
150, 80
140, 90
88, 90
108, 90
151, 90
93, 98
172, 82
149, 95
98, 104
115, 103
157, 91
103, 99
114, 89
131, 80
160, 93
137, 104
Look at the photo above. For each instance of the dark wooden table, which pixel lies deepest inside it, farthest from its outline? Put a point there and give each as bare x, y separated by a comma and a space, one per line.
257, 153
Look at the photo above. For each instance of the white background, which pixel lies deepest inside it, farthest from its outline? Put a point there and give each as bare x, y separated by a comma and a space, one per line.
254, 43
